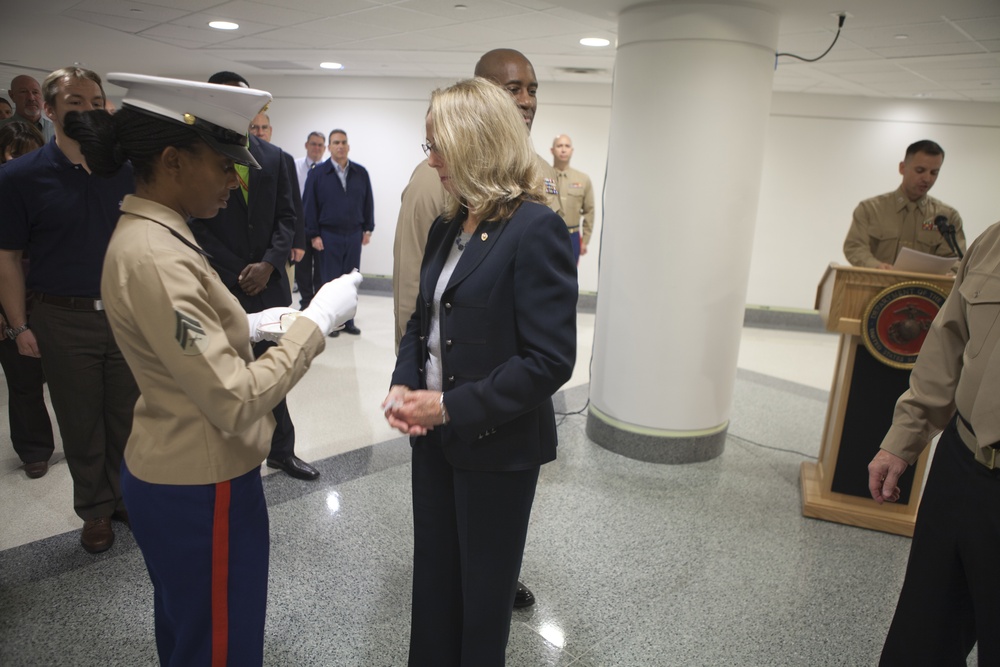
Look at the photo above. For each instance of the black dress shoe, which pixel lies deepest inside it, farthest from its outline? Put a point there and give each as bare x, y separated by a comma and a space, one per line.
353, 330
36, 469
295, 467
333, 334
97, 535
523, 597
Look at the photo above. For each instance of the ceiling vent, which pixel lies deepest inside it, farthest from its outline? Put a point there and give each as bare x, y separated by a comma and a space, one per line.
582, 71
276, 64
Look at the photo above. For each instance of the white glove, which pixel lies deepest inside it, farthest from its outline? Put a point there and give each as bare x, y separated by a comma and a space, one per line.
269, 316
335, 302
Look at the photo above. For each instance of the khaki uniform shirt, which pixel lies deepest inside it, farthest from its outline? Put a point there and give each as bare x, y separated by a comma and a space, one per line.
423, 200
204, 415
577, 198
884, 225
959, 363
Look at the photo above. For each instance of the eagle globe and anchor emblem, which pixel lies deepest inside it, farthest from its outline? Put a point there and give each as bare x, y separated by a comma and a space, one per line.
896, 321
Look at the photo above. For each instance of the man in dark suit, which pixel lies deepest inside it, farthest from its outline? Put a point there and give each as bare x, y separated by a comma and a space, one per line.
249, 243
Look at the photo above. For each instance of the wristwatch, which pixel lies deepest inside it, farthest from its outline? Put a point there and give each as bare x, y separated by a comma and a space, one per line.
14, 333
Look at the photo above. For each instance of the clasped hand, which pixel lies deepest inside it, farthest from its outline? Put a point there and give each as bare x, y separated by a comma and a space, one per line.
412, 411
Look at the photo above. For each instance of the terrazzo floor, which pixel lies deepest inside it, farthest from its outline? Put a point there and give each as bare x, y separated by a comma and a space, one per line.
633, 564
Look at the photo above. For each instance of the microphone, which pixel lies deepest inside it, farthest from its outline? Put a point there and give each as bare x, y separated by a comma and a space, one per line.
948, 232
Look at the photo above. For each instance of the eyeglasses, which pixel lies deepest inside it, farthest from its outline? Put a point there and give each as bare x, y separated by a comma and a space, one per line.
428, 147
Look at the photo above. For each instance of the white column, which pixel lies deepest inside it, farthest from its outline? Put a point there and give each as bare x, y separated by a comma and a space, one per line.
692, 92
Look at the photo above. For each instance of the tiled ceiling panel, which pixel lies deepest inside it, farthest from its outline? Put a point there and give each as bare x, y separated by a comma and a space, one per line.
951, 49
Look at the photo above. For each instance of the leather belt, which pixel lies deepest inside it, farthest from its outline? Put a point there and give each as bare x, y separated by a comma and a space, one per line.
986, 456
70, 302
573, 229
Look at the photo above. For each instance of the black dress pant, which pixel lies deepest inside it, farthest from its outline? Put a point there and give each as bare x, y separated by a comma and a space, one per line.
305, 278
93, 394
30, 426
469, 529
283, 438
949, 599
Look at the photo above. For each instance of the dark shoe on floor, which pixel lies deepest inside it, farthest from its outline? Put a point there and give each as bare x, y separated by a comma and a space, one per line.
295, 467
523, 597
333, 334
36, 469
353, 330
97, 535
122, 517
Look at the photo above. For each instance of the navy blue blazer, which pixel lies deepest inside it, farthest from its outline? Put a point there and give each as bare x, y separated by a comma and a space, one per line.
258, 230
508, 337
328, 207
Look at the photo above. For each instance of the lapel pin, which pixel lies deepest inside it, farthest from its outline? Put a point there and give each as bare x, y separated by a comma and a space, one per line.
484, 236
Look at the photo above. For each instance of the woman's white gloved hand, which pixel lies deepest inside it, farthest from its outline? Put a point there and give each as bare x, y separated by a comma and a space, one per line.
335, 302
268, 316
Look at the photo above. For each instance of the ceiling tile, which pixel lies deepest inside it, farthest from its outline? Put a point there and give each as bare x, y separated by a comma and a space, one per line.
134, 10
121, 23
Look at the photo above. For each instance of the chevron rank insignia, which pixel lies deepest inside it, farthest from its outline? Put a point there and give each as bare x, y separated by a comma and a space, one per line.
190, 334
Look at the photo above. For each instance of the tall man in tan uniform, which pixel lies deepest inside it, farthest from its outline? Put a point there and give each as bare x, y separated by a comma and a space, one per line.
949, 598
575, 194
904, 218
423, 200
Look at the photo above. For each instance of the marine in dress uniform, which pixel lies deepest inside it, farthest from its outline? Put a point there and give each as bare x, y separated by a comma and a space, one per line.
202, 427
949, 598
904, 218
575, 195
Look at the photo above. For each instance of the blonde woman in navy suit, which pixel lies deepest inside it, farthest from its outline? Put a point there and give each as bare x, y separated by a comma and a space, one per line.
492, 338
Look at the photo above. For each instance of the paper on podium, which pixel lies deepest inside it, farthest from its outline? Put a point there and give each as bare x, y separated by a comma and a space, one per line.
915, 261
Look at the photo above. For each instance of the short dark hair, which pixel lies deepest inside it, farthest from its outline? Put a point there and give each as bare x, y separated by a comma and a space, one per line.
20, 138
315, 133
924, 146
130, 135
228, 79
337, 131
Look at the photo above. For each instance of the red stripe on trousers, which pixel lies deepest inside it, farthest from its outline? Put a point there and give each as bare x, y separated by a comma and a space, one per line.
220, 576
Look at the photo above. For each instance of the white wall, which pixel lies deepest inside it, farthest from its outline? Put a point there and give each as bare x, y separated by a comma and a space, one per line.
823, 154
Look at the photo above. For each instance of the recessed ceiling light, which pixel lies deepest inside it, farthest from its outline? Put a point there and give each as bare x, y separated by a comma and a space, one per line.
922, 95
594, 41
331, 66
901, 36
223, 25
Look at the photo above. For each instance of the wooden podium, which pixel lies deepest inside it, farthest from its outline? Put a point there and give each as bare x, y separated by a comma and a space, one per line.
862, 398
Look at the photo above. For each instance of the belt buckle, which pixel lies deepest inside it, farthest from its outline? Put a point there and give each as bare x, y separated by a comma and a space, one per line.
992, 459
98, 304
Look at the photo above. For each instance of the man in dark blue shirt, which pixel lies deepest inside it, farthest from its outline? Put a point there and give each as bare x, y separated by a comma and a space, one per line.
339, 212
52, 207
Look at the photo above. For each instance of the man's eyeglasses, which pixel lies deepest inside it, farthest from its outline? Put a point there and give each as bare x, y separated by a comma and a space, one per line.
428, 147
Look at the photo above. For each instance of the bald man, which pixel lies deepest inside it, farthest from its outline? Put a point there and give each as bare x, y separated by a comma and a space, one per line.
575, 194
423, 200
26, 94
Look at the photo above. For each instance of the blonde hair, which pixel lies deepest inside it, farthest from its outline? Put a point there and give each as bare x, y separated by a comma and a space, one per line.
481, 135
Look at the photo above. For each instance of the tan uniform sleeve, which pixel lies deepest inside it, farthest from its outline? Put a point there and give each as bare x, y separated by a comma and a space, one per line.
925, 408
857, 245
588, 213
423, 200
184, 335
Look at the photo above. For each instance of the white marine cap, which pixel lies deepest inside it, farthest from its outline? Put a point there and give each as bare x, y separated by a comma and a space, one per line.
219, 114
